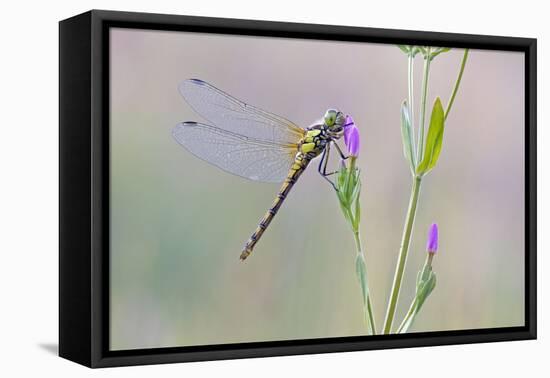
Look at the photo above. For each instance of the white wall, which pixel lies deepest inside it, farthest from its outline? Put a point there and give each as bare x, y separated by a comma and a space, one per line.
28, 177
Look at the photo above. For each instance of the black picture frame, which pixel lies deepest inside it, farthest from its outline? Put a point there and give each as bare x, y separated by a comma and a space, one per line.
84, 188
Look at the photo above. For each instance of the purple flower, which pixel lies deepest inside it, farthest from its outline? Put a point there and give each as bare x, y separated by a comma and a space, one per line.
351, 137
432, 239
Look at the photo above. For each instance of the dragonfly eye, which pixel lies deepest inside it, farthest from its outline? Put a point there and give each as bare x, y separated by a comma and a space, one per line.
330, 117
336, 125
340, 120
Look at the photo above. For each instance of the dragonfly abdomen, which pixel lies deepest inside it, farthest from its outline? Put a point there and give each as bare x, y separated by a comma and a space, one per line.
300, 164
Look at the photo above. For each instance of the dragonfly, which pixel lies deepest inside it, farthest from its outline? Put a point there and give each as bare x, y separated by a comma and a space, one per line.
252, 143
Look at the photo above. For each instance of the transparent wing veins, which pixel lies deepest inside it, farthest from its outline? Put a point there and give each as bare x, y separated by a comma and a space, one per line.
241, 139
231, 114
237, 154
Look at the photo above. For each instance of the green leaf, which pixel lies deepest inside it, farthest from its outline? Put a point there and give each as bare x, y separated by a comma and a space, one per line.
357, 212
341, 185
423, 275
439, 50
361, 271
425, 284
434, 139
423, 51
345, 211
342, 173
405, 48
346, 187
355, 187
425, 287
407, 135
411, 50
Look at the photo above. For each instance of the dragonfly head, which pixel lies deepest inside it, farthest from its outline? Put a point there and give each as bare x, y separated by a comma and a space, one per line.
334, 121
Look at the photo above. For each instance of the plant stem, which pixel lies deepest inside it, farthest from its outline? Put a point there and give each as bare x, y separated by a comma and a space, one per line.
404, 249
354, 223
420, 147
409, 314
412, 308
411, 88
457, 83
368, 305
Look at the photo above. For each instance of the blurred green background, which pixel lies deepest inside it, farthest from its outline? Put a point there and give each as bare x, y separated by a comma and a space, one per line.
178, 224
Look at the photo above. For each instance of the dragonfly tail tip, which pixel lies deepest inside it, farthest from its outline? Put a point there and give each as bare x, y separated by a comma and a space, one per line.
245, 253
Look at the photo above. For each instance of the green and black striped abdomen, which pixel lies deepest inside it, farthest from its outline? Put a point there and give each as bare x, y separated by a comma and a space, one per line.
300, 164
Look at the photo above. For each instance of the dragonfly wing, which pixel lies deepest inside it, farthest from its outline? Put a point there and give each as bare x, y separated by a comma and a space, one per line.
231, 114
235, 153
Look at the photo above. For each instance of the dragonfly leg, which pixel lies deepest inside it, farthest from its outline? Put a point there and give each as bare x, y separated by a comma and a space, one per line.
323, 166
342, 155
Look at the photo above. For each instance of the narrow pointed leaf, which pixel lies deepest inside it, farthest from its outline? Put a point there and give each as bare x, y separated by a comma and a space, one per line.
357, 215
423, 51
439, 50
425, 284
356, 189
342, 173
434, 139
425, 289
405, 48
407, 136
362, 276
344, 211
361, 271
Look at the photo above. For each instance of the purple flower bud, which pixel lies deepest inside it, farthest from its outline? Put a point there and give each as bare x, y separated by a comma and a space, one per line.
351, 137
432, 239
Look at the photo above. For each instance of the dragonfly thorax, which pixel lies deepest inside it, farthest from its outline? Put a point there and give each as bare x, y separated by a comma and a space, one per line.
316, 139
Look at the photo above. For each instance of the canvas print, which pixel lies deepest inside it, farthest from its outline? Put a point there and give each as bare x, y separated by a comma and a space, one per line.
271, 189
